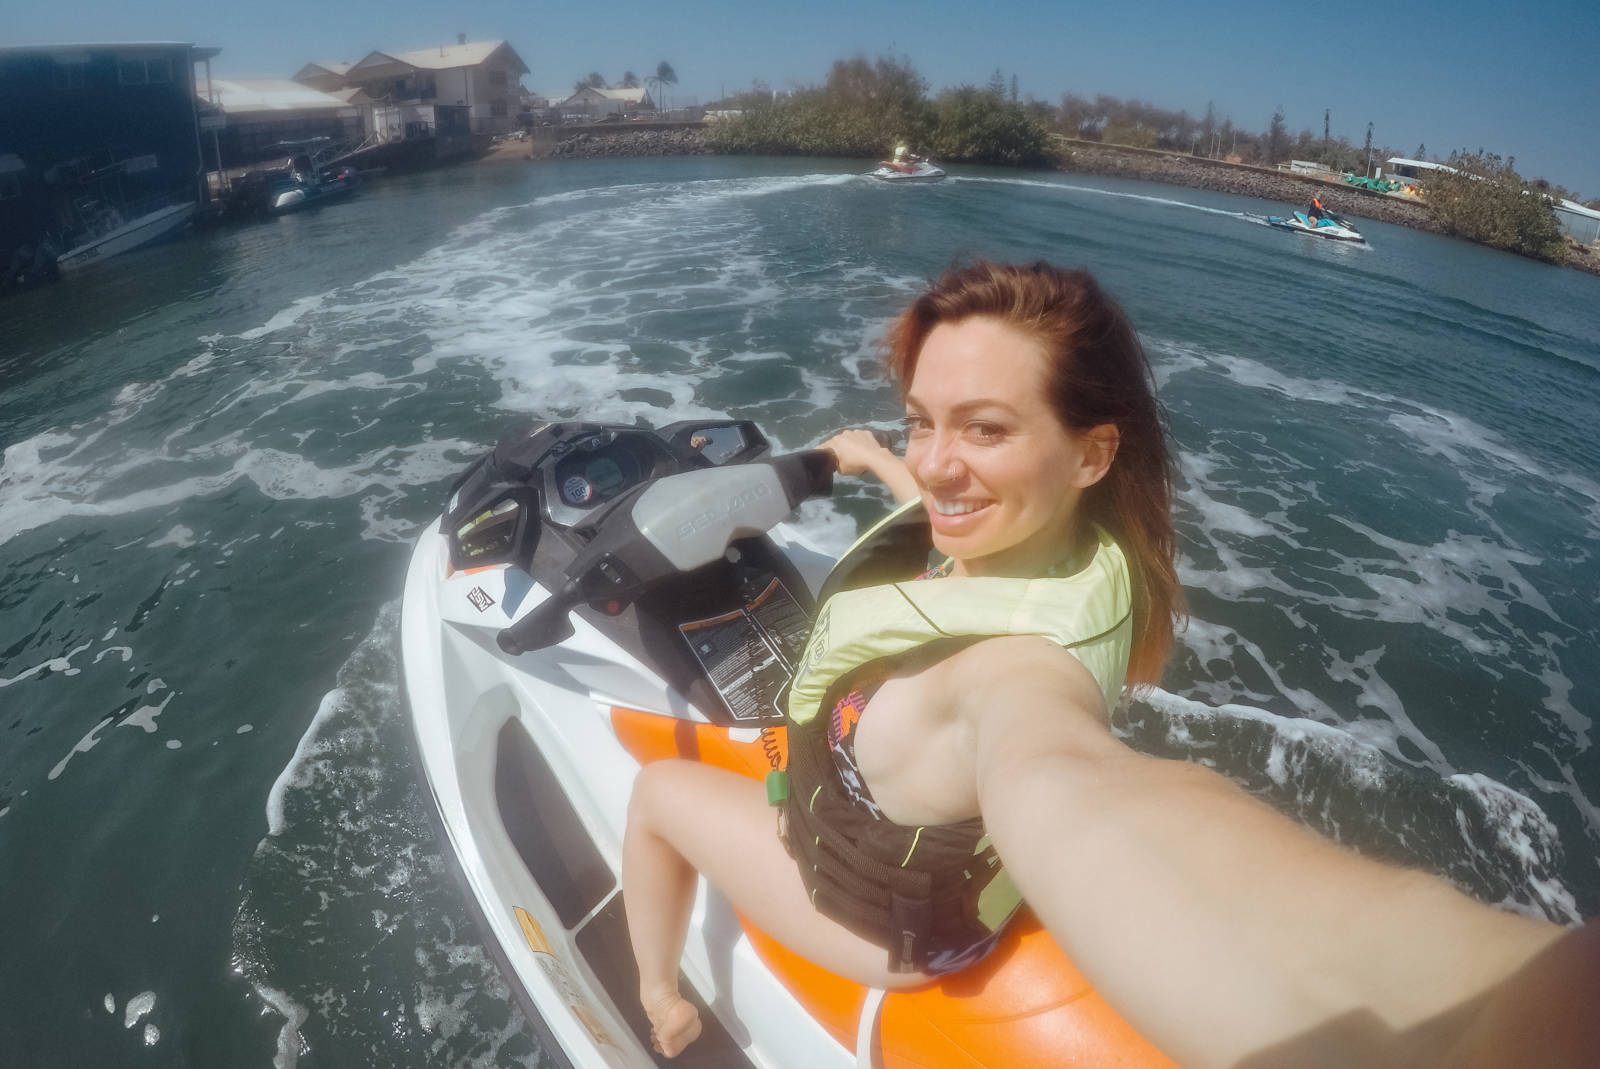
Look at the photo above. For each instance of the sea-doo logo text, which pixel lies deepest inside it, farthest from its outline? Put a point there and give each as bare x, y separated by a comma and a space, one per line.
704, 519
480, 598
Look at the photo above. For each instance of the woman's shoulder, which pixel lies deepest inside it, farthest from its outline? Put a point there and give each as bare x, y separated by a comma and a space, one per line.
1010, 669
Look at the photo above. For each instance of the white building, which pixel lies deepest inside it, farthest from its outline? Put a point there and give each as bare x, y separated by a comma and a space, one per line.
592, 103
450, 90
1581, 223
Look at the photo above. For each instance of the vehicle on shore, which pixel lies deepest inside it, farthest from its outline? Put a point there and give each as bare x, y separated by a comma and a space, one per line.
1334, 228
596, 597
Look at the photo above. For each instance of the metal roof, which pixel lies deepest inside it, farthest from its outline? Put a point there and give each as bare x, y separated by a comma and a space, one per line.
442, 57
201, 51
238, 96
1576, 209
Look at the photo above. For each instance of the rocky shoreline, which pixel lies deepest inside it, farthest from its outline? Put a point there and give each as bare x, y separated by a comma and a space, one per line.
1092, 158
1259, 182
585, 146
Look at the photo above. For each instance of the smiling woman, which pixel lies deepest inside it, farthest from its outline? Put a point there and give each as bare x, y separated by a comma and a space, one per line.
950, 755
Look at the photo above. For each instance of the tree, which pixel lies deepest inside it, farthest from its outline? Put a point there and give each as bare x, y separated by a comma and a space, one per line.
1277, 146
1421, 153
1208, 130
1014, 89
630, 80
997, 85
664, 75
972, 124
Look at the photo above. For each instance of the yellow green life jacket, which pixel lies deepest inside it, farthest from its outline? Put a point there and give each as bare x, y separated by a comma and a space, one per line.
1088, 612
935, 897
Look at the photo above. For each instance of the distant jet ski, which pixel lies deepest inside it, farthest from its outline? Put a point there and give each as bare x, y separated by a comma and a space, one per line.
1336, 227
916, 171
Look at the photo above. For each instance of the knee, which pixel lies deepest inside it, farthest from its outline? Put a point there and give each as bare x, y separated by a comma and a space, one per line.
652, 791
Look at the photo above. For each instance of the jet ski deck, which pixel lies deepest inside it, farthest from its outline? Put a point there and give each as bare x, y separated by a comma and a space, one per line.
1334, 228
921, 171
597, 597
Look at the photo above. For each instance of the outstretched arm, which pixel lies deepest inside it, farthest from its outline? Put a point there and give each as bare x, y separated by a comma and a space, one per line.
1225, 932
858, 451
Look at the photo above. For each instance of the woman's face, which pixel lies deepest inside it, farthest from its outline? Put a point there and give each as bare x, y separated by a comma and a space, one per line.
999, 474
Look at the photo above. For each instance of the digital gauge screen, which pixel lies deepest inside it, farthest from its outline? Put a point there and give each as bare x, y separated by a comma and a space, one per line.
586, 481
606, 477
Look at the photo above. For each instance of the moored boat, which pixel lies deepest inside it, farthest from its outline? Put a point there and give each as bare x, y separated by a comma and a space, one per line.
121, 236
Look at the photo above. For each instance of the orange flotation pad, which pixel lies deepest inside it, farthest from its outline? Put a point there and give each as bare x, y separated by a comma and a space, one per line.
1022, 1005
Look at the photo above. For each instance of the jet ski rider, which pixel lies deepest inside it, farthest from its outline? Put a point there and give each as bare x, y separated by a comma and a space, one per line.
904, 161
1037, 449
1315, 211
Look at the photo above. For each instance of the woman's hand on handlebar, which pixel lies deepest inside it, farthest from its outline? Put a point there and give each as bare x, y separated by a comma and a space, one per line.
859, 451
856, 451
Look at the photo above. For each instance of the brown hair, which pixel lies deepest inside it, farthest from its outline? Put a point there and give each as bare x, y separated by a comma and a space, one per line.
1098, 374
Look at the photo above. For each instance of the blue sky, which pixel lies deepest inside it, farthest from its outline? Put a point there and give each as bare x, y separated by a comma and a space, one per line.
1520, 80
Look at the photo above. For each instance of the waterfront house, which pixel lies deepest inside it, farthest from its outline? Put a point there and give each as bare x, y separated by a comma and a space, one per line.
328, 77
447, 92
94, 135
590, 104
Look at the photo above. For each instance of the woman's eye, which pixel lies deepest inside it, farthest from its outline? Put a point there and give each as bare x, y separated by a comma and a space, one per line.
986, 432
915, 425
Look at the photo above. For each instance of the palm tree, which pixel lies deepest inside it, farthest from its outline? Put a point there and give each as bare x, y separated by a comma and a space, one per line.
630, 80
665, 75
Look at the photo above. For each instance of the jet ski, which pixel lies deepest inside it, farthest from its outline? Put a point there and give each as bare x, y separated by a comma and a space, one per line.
595, 597
1335, 227
918, 171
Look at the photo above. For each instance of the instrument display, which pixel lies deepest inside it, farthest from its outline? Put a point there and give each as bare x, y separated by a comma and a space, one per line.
586, 472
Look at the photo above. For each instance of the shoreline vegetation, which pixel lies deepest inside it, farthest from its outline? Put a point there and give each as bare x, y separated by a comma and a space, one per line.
1086, 158
866, 107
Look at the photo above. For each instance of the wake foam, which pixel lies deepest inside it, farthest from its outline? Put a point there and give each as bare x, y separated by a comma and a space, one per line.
1489, 840
348, 914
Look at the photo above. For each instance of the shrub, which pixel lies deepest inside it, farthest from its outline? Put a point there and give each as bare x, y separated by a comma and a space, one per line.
867, 107
975, 126
1486, 200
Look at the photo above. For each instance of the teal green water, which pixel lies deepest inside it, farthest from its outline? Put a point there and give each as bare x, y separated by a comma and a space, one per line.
216, 453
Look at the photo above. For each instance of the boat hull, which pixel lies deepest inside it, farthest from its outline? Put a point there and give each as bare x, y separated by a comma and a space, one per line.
141, 231
923, 172
1330, 233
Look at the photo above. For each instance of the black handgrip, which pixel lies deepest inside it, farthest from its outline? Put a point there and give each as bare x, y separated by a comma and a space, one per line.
815, 468
546, 624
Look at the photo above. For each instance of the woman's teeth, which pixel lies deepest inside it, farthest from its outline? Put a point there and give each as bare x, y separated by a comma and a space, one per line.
955, 508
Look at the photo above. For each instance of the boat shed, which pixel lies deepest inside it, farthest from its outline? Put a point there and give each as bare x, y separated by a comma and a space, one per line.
1581, 224
267, 118
91, 130
1396, 167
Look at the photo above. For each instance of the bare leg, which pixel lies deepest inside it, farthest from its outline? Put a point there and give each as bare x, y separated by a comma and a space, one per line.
686, 818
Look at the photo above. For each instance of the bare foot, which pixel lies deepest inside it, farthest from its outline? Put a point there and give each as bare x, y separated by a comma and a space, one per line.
674, 1024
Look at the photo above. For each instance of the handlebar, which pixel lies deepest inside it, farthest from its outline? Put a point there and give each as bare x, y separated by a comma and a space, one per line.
669, 526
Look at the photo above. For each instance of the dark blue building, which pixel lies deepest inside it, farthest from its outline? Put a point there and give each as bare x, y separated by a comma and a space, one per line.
93, 133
